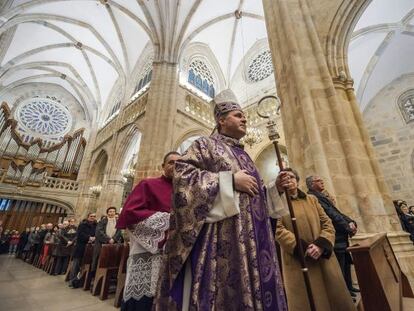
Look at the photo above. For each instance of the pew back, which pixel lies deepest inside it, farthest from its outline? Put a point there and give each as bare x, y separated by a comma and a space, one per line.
379, 274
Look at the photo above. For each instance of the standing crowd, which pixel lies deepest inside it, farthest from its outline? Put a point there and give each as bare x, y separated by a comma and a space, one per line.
33, 245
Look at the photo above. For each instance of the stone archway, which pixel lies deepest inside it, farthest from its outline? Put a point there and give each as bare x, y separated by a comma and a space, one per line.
266, 163
339, 35
187, 137
127, 162
97, 172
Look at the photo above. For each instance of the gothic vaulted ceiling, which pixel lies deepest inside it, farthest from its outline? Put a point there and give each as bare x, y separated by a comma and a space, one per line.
382, 47
91, 47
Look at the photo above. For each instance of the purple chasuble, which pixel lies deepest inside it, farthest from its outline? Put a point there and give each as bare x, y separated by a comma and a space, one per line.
233, 261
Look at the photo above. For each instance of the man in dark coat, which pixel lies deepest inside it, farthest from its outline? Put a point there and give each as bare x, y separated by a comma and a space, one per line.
106, 233
66, 238
345, 227
84, 235
39, 245
24, 237
407, 220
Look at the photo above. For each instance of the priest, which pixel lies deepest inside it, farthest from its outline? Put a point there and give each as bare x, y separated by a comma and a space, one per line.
220, 253
146, 216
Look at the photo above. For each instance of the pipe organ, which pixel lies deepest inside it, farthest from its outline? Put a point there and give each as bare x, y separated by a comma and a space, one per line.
28, 163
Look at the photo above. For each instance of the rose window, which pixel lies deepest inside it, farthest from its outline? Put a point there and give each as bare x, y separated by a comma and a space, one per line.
44, 116
260, 67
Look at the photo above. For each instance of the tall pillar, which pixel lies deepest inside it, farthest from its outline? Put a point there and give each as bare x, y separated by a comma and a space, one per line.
322, 129
158, 126
111, 194
323, 126
85, 197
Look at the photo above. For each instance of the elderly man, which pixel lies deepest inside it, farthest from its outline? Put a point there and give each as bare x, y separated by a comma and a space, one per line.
344, 226
220, 253
317, 236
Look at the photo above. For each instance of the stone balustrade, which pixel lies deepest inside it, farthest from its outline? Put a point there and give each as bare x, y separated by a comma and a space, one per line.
129, 114
134, 109
60, 184
198, 109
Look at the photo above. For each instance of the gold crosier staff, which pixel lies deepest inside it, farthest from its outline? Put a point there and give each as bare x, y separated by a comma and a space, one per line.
274, 136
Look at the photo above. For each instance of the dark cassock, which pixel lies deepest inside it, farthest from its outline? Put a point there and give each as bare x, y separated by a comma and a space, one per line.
220, 252
145, 215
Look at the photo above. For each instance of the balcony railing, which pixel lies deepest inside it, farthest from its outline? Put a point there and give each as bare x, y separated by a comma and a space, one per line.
128, 115
60, 184
199, 109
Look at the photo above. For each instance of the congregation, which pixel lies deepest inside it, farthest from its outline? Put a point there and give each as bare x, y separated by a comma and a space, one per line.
62, 248
66, 248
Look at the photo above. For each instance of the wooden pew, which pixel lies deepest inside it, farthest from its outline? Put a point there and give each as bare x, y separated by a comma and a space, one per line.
37, 258
120, 284
383, 285
67, 274
108, 265
50, 260
86, 266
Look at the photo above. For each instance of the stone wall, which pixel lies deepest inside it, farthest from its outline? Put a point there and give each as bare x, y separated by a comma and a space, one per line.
393, 138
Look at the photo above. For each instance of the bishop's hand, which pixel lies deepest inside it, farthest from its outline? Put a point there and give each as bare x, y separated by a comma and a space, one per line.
244, 182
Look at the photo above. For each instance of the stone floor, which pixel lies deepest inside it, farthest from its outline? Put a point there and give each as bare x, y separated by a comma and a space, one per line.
26, 288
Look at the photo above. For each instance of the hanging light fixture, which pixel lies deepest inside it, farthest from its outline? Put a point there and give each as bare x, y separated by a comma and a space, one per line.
96, 190
128, 172
253, 136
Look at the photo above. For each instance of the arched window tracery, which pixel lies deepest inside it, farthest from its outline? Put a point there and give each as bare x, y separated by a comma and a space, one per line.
145, 76
200, 76
406, 105
260, 67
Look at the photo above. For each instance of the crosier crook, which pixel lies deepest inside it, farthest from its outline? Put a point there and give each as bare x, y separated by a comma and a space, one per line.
274, 136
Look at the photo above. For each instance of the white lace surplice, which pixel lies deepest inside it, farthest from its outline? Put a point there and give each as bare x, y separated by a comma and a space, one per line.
144, 257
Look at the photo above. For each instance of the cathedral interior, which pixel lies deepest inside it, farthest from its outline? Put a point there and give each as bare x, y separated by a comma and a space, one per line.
93, 93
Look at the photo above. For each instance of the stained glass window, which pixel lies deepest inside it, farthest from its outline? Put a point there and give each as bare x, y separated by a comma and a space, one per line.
145, 75
260, 67
201, 77
407, 108
45, 116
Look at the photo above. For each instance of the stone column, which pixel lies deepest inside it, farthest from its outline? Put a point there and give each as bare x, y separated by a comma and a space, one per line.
323, 127
160, 111
111, 195
83, 204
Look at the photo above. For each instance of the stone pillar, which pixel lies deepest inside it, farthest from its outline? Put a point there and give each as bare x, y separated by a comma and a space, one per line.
83, 204
160, 111
323, 127
111, 195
